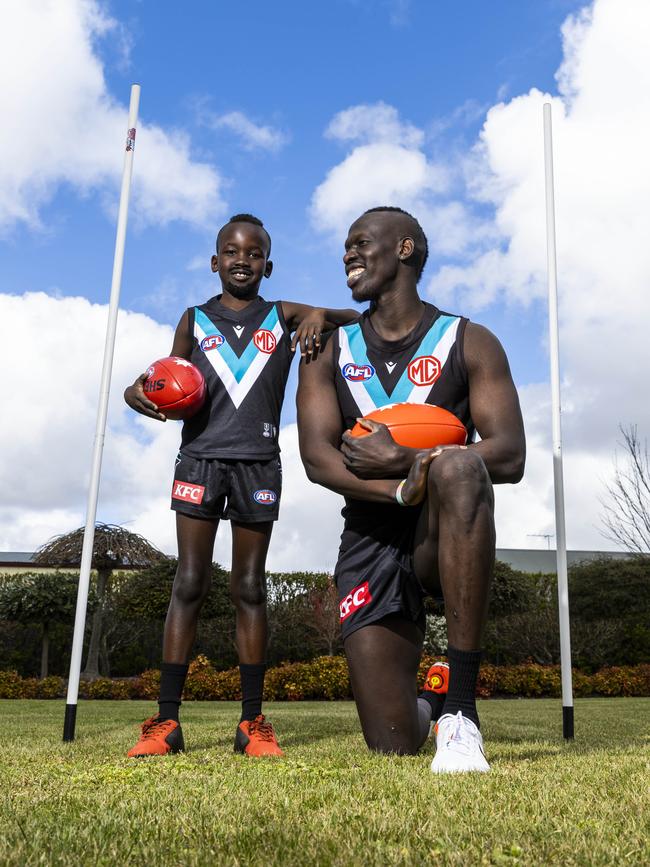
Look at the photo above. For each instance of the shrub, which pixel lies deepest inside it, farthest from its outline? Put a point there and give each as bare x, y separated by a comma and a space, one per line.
326, 677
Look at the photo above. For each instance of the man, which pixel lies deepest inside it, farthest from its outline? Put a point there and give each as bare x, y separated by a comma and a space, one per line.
228, 467
416, 523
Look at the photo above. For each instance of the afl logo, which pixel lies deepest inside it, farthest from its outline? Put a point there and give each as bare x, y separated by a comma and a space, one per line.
424, 370
265, 497
150, 371
265, 341
211, 342
357, 372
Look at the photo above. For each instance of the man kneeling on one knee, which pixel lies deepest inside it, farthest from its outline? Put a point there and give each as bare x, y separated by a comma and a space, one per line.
416, 522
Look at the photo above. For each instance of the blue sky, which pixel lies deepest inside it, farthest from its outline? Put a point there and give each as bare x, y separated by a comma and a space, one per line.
292, 67
306, 114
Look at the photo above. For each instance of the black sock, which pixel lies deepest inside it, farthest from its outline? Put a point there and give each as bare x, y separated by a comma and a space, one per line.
436, 700
172, 680
252, 688
463, 674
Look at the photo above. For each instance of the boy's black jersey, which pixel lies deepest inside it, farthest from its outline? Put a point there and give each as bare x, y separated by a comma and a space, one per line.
245, 358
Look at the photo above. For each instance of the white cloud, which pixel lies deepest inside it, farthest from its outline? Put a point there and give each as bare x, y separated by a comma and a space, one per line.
369, 124
66, 128
252, 135
496, 245
46, 439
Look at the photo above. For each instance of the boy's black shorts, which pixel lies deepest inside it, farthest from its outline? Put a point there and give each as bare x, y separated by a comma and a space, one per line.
244, 491
374, 573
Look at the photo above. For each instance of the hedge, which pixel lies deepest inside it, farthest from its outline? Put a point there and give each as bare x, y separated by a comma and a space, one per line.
326, 678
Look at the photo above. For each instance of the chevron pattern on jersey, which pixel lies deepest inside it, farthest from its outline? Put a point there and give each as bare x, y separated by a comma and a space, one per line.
237, 373
370, 394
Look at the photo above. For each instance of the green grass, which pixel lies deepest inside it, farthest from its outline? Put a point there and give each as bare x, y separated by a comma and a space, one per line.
329, 802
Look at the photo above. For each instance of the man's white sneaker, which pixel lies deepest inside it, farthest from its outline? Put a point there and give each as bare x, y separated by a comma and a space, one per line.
459, 746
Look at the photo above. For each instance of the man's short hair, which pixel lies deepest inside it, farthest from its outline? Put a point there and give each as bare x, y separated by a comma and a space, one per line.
421, 253
245, 218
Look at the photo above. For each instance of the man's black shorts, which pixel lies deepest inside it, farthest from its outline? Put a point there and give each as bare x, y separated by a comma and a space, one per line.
374, 574
244, 491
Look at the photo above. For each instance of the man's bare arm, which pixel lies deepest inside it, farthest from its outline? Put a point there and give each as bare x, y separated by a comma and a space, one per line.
494, 406
320, 426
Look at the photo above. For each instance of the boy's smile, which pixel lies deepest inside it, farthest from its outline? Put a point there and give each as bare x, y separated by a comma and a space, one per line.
241, 261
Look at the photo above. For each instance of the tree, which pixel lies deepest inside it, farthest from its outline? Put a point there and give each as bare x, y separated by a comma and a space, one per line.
626, 518
113, 547
43, 598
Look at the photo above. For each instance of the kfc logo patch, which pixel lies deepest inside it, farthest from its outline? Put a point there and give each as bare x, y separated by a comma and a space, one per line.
424, 370
265, 341
189, 493
359, 597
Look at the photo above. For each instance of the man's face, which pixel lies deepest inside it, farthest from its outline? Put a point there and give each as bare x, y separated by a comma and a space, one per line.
242, 259
371, 256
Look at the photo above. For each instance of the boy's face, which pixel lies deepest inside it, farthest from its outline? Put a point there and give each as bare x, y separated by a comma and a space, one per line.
242, 259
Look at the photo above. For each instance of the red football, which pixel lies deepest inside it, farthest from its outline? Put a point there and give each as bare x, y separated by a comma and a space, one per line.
176, 386
418, 425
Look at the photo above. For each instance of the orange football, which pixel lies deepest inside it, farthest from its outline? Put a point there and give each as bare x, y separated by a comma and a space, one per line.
418, 425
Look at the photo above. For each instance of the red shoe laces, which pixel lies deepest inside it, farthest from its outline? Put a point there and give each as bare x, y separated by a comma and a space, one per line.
263, 729
151, 727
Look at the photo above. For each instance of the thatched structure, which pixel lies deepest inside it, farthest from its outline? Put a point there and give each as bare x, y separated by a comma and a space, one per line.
113, 548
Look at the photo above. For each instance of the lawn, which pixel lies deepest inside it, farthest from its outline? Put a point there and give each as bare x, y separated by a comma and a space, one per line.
329, 802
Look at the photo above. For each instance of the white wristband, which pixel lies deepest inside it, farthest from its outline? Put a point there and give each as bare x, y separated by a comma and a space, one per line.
398, 493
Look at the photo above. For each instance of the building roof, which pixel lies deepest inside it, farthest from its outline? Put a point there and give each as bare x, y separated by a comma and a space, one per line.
538, 560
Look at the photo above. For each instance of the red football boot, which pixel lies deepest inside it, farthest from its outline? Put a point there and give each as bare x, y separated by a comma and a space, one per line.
257, 738
158, 738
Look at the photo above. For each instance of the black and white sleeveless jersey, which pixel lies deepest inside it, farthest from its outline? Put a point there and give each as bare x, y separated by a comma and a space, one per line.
426, 366
245, 358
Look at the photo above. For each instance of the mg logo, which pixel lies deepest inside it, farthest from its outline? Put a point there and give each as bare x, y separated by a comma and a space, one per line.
358, 372
265, 341
424, 370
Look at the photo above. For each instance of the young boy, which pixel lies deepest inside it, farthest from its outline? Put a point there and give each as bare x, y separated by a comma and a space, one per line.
228, 467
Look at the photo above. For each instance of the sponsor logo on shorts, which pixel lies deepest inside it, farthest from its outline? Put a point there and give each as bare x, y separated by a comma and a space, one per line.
265, 497
424, 370
355, 600
187, 492
211, 342
265, 340
357, 372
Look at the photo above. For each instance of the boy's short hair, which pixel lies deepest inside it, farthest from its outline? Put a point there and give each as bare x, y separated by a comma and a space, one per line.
420, 239
245, 218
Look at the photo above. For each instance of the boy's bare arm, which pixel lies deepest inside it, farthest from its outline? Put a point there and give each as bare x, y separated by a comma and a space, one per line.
182, 348
309, 322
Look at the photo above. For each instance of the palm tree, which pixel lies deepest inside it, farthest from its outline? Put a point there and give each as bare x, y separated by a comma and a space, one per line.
113, 547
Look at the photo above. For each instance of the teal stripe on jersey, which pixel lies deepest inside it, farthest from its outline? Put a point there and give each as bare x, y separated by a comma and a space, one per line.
357, 344
431, 339
238, 364
402, 390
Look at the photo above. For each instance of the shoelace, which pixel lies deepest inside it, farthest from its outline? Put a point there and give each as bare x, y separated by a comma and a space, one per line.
150, 728
461, 736
260, 727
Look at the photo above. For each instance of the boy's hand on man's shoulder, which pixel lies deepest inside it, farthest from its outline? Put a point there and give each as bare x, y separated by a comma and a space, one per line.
308, 332
135, 397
